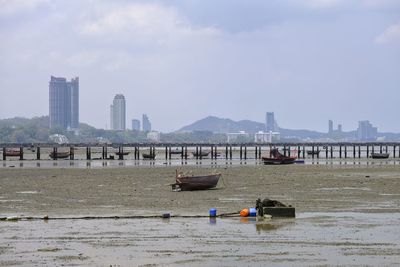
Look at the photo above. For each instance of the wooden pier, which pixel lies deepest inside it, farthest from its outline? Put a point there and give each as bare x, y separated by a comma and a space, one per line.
198, 151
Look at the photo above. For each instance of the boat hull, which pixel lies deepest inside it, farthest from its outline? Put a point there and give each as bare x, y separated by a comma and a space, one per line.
275, 161
380, 155
190, 183
59, 155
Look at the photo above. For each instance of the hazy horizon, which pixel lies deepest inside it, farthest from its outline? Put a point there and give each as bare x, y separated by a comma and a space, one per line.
180, 61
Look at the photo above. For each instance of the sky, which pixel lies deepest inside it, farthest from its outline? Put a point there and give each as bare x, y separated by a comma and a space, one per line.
179, 61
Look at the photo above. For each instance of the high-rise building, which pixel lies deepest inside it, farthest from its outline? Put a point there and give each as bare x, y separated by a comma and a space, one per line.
270, 124
136, 125
339, 128
366, 132
146, 123
117, 113
330, 129
64, 103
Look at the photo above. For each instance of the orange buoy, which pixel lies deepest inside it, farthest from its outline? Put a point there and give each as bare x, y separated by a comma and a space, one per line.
244, 212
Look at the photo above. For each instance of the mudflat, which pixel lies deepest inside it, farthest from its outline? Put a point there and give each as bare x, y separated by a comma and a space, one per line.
147, 190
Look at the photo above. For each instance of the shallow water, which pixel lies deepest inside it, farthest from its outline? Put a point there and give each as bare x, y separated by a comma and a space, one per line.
344, 238
83, 163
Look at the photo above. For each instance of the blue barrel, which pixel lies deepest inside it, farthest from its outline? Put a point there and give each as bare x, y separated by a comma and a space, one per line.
253, 212
213, 212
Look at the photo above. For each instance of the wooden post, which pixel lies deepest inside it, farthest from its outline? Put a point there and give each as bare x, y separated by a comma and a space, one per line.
318, 152
186, 154
359, 151
367, 151
38, 153
284, 151
71, 153
394, 151
255, 152
298, 151
304, 151
331, 152
21, 153
386, 149
197, 152
354, 151
326, 152
373, 149
340, 151
201, 156
259, 152
120, 153
380, 149
312, 151
245, 152
345, 151
226, 152
241, 151
54, 153
230, 152
4, 153
289, 151
212, 152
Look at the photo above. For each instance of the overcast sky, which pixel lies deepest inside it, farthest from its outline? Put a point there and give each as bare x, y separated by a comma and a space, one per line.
180, 61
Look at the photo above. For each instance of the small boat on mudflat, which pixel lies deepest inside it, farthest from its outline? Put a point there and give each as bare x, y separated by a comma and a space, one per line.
122, 153
277, 158
201, 154
59, 155
311, 152
13, 152
148, 156
199, 182
380, 155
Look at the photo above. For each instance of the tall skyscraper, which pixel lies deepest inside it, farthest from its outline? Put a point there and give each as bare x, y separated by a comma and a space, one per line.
270, 124
146, 123
136, 125
64, 103
330, 129
366, 132
118, 113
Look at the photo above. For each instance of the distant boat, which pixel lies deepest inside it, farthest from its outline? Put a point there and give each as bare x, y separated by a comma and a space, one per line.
59, 155
200, 182
311, 152
148, 156
122, 153
380, 155
277, 158
13, 152
176, 152
201, 154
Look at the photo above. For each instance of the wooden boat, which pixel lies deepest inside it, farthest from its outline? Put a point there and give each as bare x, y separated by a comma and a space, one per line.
200, 182
315, 152
148, 156
122, 153
59, 155
13, 152
380, 155
201, 154
277, 158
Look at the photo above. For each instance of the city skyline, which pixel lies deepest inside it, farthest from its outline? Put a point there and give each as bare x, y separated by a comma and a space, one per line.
308, 61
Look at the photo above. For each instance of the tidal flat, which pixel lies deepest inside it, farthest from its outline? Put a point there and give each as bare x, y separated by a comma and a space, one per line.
345, 215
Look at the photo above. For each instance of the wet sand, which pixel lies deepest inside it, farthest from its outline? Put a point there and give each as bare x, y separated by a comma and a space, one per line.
345, 215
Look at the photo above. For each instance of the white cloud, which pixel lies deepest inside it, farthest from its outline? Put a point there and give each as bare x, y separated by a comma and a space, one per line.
11, 7
390, 35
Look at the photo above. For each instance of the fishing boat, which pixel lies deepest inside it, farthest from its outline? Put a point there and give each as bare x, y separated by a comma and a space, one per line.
277, 158
13, 152
201, 154
122, 153
148, 156
379, 155
313, 152
59, 155
199, 182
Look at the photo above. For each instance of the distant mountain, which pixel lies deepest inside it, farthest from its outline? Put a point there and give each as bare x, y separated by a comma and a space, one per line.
219, 125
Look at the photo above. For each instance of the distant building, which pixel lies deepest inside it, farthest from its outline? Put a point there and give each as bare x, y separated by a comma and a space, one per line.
266, 137
64, 103
270, 124
146, 123
118, 113
237, 137
366, 132
330, 129
136, 125
339, 128
153, 136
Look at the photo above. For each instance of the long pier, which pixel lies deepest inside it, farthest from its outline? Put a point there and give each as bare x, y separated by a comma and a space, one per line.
135, 151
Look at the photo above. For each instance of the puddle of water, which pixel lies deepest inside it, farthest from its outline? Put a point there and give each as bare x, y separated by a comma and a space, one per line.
341, 238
